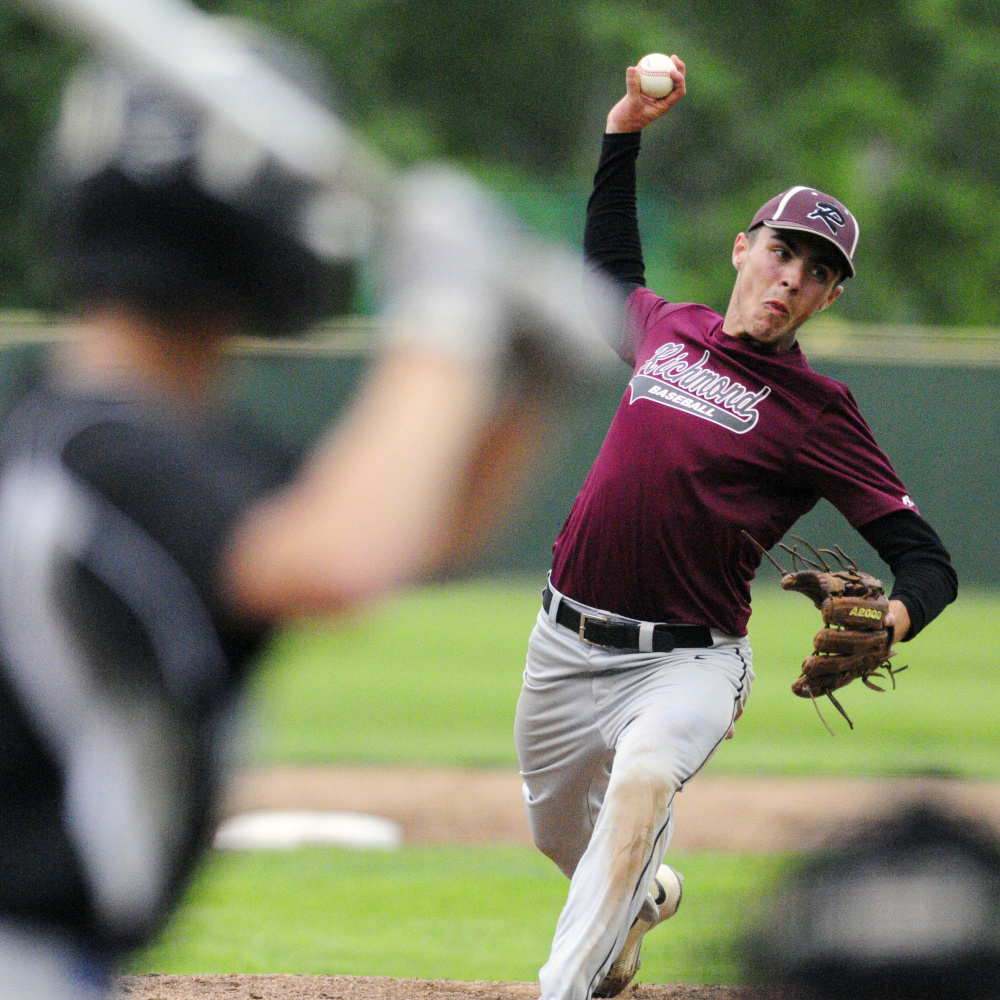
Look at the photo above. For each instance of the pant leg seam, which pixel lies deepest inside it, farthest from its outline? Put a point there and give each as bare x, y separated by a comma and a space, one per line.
642, 874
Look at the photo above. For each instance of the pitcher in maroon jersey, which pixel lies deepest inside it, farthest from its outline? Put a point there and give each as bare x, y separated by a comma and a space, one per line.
639, 664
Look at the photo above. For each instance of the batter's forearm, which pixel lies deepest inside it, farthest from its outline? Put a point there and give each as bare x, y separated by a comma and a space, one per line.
376, 505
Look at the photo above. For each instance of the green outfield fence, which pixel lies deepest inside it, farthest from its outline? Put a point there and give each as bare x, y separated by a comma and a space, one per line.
931, 396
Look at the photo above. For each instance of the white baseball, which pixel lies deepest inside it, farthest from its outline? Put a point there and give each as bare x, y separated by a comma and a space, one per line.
654, 74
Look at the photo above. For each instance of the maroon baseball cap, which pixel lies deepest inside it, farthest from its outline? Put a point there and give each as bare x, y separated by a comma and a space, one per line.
811, 211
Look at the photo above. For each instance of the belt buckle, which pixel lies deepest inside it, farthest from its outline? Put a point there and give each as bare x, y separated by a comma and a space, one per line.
583, 625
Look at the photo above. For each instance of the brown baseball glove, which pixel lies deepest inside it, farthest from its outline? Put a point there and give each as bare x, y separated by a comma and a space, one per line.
855, 641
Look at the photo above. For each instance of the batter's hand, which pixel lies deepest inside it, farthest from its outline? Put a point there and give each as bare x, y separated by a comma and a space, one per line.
636, 109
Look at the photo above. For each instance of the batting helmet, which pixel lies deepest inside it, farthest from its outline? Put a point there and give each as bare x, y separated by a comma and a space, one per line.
155, 202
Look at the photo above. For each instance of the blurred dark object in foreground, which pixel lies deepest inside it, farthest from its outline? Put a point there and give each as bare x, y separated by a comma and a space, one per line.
905, 906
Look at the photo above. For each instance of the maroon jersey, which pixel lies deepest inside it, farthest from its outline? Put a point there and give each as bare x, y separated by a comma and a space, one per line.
713, 436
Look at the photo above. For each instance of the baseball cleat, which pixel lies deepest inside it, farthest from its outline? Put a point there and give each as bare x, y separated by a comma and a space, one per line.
667, 890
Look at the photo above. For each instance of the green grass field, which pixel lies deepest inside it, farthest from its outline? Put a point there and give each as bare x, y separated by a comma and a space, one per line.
457, 913
433, 678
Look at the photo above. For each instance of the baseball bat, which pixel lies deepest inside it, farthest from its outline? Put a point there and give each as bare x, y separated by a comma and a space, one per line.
199, 56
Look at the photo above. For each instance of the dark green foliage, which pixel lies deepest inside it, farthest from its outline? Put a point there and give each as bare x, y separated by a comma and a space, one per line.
31, 66
891, 106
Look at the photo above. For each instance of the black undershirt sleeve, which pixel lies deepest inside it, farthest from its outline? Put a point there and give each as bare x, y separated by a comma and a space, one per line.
611, 239
925, 580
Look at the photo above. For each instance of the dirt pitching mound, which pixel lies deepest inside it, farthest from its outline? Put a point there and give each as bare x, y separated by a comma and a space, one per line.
154, 987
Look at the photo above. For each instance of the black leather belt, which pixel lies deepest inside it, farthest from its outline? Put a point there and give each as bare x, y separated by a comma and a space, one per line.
624, 634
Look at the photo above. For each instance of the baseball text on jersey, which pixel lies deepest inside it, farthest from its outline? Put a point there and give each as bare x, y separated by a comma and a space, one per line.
668, 378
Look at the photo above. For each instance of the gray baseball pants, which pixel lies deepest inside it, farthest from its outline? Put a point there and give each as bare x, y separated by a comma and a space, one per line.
605, 738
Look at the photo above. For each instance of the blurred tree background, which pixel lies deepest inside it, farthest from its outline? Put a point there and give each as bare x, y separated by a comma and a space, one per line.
892, 106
